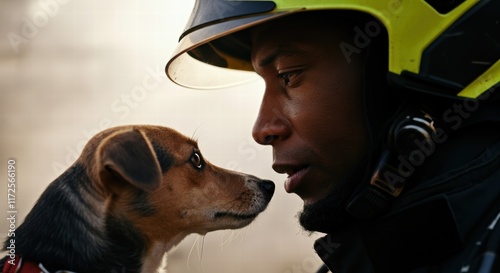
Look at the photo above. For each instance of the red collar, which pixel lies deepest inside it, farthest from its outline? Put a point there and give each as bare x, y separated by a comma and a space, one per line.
18, 265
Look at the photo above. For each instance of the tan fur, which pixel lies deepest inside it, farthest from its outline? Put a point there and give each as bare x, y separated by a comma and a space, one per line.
184, 199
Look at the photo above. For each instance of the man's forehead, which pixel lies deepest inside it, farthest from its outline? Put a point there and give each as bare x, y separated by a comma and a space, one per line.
269, 54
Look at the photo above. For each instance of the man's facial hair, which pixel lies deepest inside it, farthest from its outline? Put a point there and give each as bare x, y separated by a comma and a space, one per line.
329, 214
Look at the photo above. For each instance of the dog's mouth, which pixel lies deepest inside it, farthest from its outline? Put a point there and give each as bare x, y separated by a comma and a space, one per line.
238, 216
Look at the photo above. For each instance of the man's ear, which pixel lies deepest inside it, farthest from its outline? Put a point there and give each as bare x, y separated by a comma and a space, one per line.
127, 157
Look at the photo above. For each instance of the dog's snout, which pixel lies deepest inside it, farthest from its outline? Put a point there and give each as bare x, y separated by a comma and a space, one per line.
267, 188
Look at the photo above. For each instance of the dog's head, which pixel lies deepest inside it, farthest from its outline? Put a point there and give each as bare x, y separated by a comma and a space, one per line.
158, 179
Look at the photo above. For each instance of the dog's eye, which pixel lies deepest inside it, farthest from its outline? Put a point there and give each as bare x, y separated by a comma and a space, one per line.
196, 160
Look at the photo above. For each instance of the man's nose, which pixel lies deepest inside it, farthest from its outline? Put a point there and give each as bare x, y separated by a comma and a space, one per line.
271, 124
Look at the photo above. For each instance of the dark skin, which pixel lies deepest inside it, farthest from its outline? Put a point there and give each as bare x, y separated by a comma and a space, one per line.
311, 112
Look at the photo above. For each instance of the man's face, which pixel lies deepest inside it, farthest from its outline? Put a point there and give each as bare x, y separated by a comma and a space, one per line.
311, 112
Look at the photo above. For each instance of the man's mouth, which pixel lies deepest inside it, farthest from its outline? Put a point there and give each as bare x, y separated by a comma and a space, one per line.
295, 177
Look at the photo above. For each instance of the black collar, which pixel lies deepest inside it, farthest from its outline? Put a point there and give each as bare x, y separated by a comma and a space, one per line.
397, 243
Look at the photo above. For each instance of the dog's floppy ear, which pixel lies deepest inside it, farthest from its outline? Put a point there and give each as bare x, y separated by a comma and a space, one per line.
128, 156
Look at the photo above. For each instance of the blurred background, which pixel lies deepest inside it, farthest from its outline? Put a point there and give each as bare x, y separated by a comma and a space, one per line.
69, 69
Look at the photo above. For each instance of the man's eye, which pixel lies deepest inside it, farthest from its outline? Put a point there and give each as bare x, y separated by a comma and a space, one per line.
288, 76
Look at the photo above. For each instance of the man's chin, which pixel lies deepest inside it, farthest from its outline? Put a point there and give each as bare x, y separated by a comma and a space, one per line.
327, 215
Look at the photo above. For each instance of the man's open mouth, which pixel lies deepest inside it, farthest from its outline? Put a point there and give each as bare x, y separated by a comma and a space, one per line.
295, 177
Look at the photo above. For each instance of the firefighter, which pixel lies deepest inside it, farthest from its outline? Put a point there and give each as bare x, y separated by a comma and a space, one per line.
385, 115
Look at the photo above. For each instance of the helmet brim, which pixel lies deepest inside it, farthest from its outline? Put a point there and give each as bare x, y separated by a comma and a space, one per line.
198, 63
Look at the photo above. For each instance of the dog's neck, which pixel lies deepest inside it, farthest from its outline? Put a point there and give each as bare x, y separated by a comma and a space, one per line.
70, 229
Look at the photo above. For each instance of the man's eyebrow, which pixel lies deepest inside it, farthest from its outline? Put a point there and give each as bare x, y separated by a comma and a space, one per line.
280, 52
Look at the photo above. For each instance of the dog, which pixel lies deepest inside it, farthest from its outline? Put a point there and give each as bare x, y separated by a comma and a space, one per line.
134, 193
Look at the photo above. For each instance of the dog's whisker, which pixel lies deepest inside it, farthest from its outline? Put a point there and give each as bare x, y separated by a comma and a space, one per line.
243, 236
231, 237
200, 266
191, 252
199, 246
194, 136
240, 236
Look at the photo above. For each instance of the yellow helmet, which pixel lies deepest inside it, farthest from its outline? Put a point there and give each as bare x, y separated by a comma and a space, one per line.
449, 48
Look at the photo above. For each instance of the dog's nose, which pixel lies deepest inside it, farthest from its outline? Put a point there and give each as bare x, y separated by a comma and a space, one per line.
267, 187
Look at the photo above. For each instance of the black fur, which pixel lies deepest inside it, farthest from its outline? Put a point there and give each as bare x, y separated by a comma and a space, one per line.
164, 158
141, 204
59, 231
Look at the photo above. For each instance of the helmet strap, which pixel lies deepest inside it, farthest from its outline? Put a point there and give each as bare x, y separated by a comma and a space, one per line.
410, 140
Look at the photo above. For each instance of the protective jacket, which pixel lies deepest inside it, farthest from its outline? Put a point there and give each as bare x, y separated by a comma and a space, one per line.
447, 221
